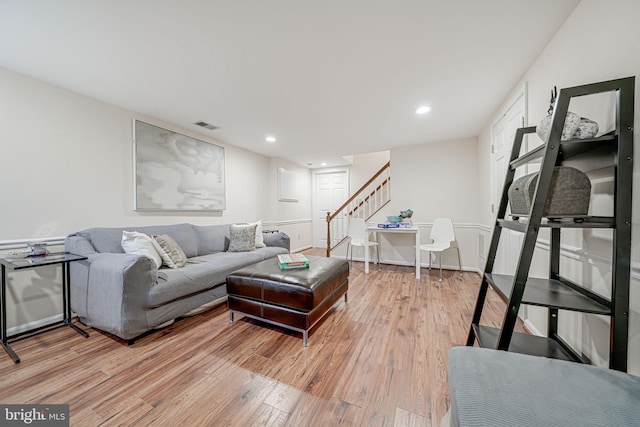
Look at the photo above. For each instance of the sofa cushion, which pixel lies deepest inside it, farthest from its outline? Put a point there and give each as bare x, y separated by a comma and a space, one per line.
172, 255
107, 239
183, 234
211, 238
198, 274
136, 243
242, 237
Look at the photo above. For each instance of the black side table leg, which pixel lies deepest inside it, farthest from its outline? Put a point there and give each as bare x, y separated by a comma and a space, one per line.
66, 299
3, 317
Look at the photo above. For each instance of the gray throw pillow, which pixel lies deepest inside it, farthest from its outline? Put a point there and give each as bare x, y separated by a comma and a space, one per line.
242, 237
172, 254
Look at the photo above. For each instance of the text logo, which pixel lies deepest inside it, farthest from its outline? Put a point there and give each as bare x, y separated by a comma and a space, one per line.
34, 415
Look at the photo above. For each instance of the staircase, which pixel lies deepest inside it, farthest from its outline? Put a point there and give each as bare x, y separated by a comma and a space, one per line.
364, 203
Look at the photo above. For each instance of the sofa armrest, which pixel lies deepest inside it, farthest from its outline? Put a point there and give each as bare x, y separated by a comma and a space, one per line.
79, 244
279, 239
109, 291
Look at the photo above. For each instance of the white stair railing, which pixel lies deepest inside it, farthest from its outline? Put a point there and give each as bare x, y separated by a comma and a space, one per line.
368, 200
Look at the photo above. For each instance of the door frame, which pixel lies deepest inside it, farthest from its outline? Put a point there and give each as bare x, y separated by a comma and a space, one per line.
521, 93
314, 217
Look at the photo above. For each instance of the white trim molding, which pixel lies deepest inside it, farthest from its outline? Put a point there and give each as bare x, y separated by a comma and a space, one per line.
287, 222
23, 243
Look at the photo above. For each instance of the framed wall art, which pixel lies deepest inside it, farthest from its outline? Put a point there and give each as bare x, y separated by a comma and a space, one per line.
174, 172
287, 185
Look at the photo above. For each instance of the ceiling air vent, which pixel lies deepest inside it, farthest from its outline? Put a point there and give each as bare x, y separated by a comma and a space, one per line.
207, 125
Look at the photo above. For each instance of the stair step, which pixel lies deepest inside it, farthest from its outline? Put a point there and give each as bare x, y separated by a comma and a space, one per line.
547, 293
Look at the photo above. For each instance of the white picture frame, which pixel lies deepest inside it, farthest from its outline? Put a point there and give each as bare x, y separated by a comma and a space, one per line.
288, 188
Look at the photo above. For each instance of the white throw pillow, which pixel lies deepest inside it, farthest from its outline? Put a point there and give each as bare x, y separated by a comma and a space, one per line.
136, 243
259, 237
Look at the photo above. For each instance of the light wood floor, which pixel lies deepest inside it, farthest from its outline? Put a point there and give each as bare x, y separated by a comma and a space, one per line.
378, 360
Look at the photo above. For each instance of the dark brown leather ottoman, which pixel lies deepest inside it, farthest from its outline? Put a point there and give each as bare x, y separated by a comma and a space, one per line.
295, 299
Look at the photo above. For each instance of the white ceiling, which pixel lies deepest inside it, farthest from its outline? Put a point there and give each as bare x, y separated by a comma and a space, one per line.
327, 78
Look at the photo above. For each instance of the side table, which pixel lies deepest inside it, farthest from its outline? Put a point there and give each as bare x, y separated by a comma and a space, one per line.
63, 258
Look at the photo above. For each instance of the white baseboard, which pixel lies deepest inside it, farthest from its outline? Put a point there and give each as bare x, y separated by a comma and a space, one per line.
411, 264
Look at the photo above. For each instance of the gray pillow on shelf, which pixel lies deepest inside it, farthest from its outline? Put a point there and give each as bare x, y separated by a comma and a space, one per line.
242, 237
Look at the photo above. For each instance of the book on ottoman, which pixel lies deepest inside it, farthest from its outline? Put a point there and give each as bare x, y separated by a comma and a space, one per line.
289, 261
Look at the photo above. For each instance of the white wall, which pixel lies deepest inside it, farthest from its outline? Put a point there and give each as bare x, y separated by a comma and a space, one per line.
364, 166
67, 164
598, 42
434, 180
293, 218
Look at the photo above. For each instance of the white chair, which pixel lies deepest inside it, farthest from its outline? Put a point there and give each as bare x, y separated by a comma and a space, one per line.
443, 238
358, 236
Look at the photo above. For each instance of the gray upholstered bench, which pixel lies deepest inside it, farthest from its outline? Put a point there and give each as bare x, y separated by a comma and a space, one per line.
295, 299
491, 388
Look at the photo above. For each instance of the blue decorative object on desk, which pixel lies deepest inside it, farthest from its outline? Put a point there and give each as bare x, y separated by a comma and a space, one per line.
394, 219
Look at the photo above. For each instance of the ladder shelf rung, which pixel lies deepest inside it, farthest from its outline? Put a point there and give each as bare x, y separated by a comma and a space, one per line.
568, 149
547, 293
586, 222
523, 343
512, 225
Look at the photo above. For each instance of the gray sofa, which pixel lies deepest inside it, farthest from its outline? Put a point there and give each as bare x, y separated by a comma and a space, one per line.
127, 295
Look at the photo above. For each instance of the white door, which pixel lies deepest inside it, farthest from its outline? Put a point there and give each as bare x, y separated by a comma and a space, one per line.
331, 190
503, 134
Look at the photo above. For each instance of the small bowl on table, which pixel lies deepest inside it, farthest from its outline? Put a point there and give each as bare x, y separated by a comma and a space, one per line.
394, 219
406, 214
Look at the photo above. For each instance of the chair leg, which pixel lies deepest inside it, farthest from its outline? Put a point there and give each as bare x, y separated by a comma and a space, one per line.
440, 267
459, 261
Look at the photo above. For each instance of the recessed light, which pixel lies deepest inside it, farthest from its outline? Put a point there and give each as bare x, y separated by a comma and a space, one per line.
323, 164
423, 109
270, 139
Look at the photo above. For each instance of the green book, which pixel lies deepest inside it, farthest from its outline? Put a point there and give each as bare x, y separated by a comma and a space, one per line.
290, 261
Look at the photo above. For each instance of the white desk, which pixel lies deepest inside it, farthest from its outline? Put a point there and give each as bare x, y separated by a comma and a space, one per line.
375, 230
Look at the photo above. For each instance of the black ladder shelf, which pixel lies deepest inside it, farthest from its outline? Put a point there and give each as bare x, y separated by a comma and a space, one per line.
615, 150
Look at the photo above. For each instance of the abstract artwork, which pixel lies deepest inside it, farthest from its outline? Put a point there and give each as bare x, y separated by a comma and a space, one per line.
174, 172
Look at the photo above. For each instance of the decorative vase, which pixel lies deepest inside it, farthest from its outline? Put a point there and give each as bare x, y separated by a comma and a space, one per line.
571, 123
586, 129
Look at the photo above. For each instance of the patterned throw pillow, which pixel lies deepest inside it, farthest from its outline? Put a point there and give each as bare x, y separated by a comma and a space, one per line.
242, 237
172, 254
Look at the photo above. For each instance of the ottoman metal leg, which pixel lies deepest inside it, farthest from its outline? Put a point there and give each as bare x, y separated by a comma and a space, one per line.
230, 316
